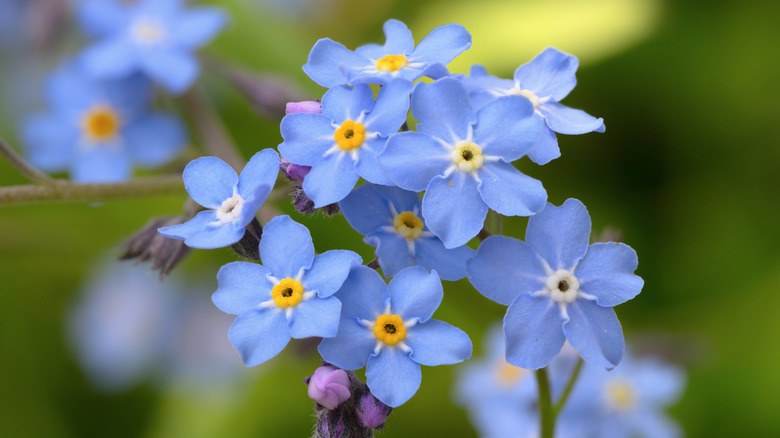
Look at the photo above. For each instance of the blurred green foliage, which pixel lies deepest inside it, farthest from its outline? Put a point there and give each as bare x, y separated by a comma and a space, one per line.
687, 169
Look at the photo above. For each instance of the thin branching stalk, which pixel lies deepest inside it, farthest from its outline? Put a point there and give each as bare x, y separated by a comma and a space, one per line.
25, 168
60, 190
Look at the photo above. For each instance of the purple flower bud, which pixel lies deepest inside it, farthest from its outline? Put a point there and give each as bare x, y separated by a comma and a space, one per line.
309, 106
372, 412
302, 203
329, 386
293, 172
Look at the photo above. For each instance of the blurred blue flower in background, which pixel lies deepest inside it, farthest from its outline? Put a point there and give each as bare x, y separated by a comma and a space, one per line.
99, 130
156, 37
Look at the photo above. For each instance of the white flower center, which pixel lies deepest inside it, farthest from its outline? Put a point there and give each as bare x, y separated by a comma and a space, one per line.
467, 156
620, 395
147, 31
230, 209
528, 94
563, 286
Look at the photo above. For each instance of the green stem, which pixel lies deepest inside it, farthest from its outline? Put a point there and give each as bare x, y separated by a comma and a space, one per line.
546, 412
23, 166
215, 136
569, 386
59, 190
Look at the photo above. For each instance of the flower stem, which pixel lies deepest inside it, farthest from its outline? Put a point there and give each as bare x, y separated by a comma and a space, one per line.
60, 190
546, 412
569, 386
31, 173
216, 139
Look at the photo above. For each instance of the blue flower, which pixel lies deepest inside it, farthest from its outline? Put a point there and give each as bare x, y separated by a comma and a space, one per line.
289, 295
331, 64
99, 130
462, 159
387, 329
341, 144
232, 200
390, 219
557, 287
545, 81
156, 37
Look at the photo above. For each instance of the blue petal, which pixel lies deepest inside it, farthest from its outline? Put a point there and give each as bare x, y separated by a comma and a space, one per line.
286, 247
398, 41
306, 138
363, 295
391, 108
209, 181
443, 110
505, 268
442, 45
607, 273
259, 335
242, 286
392, 376
450, 264
453, 209
435, 71
550, 73
651, 424
155, 139
437, 343
70, 92
315, 317
99, 18
346, 103
329, 271
595, 333
217, 236
367, 208
351, 346
532, 326
415, 294
261, 170
509, 191
158, 8
546, 148
367, 166
331, 179
565, 120
326, 60
130, 96
173, 70
508, 128
110, 58
560, 234
102, 163
197, 27
660, 384
195, 225
50, 142
411, 160
392, 251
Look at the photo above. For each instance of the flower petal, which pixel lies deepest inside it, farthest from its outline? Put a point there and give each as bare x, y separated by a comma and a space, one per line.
216, 236
99, 18
195, 225
367, 207
259, 335
391, 108
315, 317
175, 71
110, 58
546, 148
437, 343
565, 120
392, 252
363, 295
607, 273
209, 181
415, 293
347, 103
102, 163
560, 234
286, 247
532, 326
306, 138
262, 169
443, 110
398, 41
595, 333
351, 346
242, 286
329, 271
450, 264
442, 45
392, 376
198, 26
50, 142
155, 139
508, 128
509, 191
412, 160
453, 209
331, 179
505, 268
550, 73
367, 166
326, 61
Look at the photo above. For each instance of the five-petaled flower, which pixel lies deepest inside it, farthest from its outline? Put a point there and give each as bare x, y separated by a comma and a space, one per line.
557, 287
289, 295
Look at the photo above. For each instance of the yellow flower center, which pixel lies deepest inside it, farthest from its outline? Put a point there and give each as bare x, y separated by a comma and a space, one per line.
350, 135
467, 156
287, 293
528, 94
508, 374
147, 31
390, 329
391, 63
621, 395
100, 123
407, 225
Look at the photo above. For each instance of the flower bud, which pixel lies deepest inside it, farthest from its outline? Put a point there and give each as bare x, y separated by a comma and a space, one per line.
309, 106
329, 386
148, 244
294, 172
372, 412
249, 245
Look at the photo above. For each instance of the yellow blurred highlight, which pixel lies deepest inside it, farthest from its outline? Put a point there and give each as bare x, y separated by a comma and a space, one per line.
506, 33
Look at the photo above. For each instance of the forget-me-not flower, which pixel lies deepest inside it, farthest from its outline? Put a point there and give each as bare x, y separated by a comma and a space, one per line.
545, 81
462, 159
99, 130
232, 200
390, 219
331, 64
341, 144
289, 295
388, 329
156, 37
557, 287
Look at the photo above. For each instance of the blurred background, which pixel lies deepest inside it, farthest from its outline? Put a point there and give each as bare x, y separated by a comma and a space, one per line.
687, 171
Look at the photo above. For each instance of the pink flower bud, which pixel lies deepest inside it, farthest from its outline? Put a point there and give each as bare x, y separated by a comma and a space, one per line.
329, 386
309, 106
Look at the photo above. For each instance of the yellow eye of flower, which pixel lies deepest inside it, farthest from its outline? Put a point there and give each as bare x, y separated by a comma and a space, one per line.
287, 293
407, 225
391, 63
467, 156
100, 123
508, 374
620, 395
390, 329
528, 94
350, 135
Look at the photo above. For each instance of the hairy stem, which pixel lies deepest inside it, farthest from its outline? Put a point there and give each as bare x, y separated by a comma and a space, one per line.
59, 190
546, 412
26, 169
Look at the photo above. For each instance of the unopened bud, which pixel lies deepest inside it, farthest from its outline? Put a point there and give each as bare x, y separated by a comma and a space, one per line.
292, 171
148, 244
329, 386
372, 412
307, 106
249, 245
